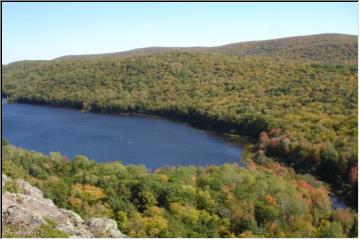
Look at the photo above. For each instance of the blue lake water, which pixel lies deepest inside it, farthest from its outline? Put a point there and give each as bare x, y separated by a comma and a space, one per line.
153, 142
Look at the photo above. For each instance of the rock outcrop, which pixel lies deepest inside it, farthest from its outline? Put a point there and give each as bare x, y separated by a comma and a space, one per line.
27, 210
104, 227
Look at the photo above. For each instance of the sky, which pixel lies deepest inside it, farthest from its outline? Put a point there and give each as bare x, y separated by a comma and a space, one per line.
49, 30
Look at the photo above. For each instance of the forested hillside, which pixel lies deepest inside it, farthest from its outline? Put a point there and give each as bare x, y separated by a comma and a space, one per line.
302, 111
322, 48
216, 201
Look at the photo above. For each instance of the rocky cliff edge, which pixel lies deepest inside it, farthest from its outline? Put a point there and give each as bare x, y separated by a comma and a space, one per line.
26, 210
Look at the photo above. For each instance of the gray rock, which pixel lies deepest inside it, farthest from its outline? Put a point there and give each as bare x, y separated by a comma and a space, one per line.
104, 228
74, 217
20, 209
20, 216
75, 231
29, 209
30, 190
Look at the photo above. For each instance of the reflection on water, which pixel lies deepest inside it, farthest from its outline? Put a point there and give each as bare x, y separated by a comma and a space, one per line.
337, 203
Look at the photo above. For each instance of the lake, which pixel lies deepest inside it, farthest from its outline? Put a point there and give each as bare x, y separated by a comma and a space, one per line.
154, 142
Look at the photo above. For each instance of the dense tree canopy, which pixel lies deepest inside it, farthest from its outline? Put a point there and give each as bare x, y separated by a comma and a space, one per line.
214, 201
320, 48
303, 104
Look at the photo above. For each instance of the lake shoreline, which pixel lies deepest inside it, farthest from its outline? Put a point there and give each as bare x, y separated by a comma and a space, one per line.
219, 127
248, 143
119, 138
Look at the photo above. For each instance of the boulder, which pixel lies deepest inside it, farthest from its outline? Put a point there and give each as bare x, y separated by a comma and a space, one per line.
28, 189
29, 210
104, 228
74, 217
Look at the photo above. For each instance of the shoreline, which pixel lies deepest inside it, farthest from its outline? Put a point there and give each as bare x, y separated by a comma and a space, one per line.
247, 143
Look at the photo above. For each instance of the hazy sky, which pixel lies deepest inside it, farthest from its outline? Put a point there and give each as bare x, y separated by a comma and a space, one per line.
49, 30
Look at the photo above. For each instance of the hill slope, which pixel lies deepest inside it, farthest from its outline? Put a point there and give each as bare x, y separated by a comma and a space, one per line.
322, 48
216, 201
26, 213
306, 113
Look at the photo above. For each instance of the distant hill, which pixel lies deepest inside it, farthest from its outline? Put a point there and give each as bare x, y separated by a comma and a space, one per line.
328, 48
321, 48
134, 52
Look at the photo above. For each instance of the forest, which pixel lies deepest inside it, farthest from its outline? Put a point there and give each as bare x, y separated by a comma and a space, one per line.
320, 48
268, 200
297, 97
